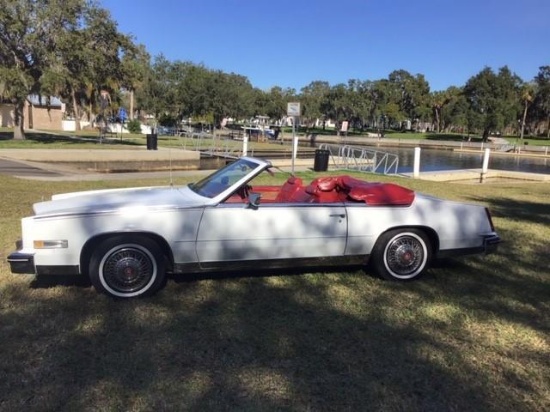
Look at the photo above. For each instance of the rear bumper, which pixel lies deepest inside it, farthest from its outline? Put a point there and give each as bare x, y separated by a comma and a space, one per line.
22, 263
489, 245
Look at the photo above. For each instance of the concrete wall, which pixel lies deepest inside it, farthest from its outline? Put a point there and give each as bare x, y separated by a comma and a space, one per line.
43, 118
6, 115
36, 117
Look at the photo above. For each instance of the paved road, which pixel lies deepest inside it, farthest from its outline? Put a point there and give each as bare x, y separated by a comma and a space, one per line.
23, 169
33, 165
40, 171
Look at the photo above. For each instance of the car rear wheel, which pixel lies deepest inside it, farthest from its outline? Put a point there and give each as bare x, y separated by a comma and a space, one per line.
402, 254
127, 267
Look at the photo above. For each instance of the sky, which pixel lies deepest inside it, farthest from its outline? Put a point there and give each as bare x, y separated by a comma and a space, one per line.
291, 43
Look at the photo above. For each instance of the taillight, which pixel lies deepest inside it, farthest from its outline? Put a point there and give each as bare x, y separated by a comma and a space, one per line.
490, 218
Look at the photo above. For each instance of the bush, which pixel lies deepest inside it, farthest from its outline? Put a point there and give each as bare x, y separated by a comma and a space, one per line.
167, 120
134, 126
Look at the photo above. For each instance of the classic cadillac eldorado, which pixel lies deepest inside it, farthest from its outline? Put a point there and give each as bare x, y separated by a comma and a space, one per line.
127, 240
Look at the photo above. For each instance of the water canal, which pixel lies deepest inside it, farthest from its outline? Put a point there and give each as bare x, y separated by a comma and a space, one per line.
432, 160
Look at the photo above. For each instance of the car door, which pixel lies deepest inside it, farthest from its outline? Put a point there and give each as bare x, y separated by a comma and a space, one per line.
236, 232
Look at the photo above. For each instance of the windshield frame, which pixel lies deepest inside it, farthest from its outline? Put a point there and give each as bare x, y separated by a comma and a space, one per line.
228, 179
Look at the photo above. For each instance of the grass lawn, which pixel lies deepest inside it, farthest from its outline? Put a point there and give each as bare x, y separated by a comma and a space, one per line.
444, 137
473, 334
89, 139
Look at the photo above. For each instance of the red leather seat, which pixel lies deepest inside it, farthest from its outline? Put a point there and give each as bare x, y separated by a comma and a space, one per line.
375, 193
325, 190
289, 189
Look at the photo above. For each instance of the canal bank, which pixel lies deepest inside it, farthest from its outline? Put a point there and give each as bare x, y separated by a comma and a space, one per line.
476, 176
75, 164
497, 145
98, 164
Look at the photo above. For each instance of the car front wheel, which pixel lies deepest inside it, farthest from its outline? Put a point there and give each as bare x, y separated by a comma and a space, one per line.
401, 254
127, 267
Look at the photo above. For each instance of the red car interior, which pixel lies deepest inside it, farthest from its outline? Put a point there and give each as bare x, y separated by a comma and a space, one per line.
336, 189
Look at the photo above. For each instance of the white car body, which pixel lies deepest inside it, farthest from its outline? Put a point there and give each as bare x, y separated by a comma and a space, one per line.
207, 227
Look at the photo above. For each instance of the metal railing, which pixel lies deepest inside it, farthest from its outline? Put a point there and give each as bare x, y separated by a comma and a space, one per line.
212, 145
361, 159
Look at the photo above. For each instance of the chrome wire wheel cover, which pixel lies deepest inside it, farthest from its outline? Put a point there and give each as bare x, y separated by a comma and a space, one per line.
127, 270
405, 255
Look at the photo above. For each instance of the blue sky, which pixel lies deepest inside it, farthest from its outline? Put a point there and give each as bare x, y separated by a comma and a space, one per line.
290, 43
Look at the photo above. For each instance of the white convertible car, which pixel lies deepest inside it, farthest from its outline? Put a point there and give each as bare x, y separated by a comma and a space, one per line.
127, 240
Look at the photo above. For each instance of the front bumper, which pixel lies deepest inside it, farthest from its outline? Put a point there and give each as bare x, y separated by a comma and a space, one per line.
22, 263
491, 242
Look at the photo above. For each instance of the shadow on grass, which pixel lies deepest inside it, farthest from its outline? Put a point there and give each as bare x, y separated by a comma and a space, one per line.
70, 281
452, 138
234, 344
49, 138
259, 340
526, 211
6, 135
263, 273
49, 281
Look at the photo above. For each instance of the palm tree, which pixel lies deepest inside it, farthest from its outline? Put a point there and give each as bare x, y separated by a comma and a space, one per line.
527, 95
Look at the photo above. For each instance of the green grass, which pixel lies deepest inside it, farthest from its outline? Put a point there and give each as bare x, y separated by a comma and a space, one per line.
473, 334
89, 139
66, 140
444, 137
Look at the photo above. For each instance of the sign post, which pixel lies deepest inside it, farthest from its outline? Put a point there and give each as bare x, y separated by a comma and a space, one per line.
293, 110
245, 143
122, 115
485, 165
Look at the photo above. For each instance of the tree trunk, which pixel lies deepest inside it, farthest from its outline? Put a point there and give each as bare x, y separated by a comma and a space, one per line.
523, 121
91, 111
485, 135
19, 130
132, 104
76, 111
437, 117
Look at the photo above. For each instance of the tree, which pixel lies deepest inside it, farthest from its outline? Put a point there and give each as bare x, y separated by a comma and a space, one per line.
192, 89
360, 102
276, 102
493, 99
311, 98
411, 94
385, 107
40, 42
526, 94
227, 95
91, 61
158, 93
455, 115
135, 66
542, 96
337, 104
438, 101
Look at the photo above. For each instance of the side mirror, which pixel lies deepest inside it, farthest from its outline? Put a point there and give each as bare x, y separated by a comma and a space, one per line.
254, 200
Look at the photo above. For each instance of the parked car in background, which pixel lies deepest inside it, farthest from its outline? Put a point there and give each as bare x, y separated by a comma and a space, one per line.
127, 240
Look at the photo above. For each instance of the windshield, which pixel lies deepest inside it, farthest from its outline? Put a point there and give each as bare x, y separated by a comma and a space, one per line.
216, 183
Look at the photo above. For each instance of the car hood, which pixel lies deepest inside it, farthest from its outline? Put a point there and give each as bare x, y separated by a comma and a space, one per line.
100, 201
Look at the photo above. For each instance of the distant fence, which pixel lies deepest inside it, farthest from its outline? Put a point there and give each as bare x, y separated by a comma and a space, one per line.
361, 159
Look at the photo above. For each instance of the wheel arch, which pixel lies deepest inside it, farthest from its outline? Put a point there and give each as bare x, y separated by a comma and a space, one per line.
410, 259
93, 242
428, 231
